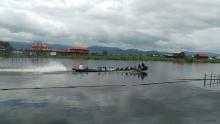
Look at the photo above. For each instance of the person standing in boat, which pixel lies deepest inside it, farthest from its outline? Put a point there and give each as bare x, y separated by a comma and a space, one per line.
81, 66
143, 65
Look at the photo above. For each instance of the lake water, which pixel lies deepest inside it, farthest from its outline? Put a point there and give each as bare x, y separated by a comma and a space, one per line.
47, 92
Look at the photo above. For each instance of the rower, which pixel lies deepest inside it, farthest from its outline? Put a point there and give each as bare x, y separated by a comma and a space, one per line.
143, 65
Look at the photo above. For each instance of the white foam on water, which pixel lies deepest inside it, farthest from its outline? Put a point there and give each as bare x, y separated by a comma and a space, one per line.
51, 67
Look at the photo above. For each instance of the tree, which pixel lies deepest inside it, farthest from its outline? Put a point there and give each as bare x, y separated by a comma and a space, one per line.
5, 48
105, 53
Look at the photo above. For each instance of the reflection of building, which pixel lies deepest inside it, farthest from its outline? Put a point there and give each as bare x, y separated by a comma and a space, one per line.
77, 50
201, 56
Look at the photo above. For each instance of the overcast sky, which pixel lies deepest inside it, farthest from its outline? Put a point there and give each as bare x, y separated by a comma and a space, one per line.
165, 25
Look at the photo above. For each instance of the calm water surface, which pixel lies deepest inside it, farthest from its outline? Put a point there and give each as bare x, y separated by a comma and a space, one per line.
105, 98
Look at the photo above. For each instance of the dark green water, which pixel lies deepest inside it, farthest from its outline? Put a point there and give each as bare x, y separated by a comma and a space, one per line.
105, 98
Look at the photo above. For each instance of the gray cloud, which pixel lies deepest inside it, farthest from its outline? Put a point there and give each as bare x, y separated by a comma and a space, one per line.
170, 25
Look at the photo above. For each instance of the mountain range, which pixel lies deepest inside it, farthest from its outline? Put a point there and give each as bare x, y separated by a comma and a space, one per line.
109, 50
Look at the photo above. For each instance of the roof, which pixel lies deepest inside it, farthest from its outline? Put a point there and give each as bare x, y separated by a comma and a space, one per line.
79, 48
202, 54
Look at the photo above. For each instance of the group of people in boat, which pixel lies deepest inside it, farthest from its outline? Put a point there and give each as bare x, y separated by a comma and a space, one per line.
140, 67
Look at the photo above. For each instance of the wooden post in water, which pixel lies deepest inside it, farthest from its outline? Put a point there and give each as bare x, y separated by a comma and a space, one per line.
217, 78
204, 79
214, 78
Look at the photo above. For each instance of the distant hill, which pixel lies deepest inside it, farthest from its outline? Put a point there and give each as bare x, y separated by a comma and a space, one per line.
115, 50
20, 45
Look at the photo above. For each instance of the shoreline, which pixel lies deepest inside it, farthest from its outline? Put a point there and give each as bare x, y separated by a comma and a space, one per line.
126, 58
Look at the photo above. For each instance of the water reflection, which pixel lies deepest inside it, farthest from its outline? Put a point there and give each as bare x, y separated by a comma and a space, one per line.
109, 98
166, 104
21, 103
141, 75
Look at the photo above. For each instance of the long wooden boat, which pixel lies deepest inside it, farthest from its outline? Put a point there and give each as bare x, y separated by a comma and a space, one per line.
87, 70
106, 70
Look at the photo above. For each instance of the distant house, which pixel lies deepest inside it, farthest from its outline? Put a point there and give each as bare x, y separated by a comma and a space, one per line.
155, 55
201, 56
77, 50
40, 49
179, 55
168, 55
217, 57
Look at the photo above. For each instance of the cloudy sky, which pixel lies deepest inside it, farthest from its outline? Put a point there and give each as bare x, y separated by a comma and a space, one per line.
166, 25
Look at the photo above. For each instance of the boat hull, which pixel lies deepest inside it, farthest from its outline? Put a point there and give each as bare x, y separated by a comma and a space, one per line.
87, 70
97, 70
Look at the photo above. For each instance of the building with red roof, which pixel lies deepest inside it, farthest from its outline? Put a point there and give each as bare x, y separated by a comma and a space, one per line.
179, 55
201, 56
41, 47
44, 49
77, 50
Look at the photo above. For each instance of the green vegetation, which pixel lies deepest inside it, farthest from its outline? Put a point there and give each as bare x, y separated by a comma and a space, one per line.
5, 49
141, 58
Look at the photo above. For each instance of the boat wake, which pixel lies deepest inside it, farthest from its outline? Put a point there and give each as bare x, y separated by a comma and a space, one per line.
52, 67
